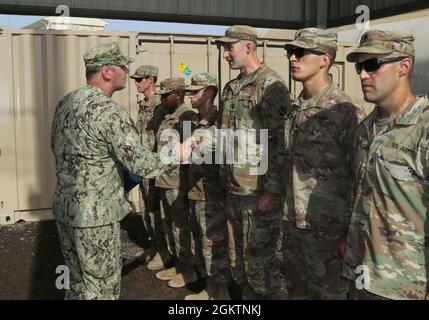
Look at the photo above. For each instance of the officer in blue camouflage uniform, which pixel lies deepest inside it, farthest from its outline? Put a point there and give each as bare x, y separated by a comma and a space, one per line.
206, 195
254, 103
387, 252
318, 136
93, 140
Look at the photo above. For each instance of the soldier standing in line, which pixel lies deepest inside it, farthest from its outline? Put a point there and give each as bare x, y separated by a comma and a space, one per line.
206, 195
150, 115
253, 105
318, 137
174, 202
387, 249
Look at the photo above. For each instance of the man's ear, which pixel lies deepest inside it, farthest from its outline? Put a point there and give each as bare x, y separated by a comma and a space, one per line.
206, 93
324, 61
106, 73
249, 47
405, 67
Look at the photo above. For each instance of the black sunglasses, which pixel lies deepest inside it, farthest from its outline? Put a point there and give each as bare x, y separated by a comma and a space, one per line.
138, 80
300, 52
373, 64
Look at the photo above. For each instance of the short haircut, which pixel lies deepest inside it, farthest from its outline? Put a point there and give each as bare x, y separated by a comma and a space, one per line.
91, 74
254, 44
332, 56
413, 60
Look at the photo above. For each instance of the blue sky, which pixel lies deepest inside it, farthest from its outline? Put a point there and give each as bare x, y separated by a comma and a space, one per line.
17, 22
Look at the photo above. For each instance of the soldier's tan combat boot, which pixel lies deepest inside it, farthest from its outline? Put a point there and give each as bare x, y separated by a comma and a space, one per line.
202, 295
214, 291
156, 263
184, 278
167, 274
206, 294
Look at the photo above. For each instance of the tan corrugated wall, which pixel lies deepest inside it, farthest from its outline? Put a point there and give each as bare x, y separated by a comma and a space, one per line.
8, 176
44, 66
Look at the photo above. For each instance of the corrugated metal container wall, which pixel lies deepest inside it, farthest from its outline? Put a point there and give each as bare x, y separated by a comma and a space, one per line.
173, 54
8, 180
45, 65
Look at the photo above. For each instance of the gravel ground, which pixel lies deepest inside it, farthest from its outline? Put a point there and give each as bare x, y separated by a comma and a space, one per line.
30, 253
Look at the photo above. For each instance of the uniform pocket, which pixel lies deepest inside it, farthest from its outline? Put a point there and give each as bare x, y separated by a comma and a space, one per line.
105, 238
247, 114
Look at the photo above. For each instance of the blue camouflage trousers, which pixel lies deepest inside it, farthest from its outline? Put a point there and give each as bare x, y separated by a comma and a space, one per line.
93, 256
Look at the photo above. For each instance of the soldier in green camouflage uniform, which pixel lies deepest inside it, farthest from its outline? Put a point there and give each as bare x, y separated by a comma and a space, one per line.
174, 204
145, 79
387, 249
93, 139
150, 114
256, 100
206, 194
318, 136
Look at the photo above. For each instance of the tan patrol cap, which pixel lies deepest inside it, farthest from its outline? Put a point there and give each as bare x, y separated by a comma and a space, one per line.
202, 80
237, 33
171, 84
315, 39
383, 43
145, 71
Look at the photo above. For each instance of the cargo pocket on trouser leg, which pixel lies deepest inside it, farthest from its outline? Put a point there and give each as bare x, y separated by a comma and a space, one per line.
99, 251
261, 263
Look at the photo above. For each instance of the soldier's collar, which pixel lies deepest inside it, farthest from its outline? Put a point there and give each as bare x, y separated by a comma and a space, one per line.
178, 110
155, 98
413, 112
409, 118
369, 121
252, 77
91, 87
317, 100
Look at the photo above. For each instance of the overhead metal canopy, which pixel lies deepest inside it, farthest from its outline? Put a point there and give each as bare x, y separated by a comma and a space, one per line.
285, 14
